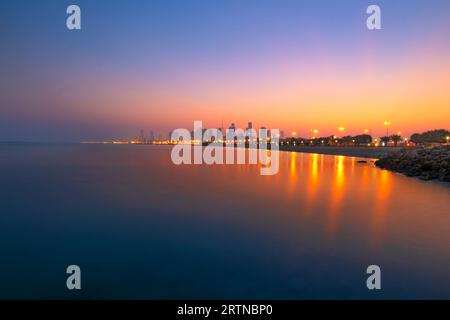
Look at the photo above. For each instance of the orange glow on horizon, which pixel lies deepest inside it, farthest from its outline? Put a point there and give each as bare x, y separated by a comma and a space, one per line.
413, 96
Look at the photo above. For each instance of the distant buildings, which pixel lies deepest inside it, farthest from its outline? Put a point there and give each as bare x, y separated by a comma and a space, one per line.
232, 129
142, 136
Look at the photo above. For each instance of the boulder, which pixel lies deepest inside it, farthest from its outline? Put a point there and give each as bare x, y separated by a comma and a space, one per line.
425, 163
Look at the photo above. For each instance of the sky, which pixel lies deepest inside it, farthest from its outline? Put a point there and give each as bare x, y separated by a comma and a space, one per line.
161, 64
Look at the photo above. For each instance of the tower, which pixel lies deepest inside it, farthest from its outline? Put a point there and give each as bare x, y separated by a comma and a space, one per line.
142, 136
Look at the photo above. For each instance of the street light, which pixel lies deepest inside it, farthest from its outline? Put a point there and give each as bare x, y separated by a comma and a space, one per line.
341, 129
313, 132
387, 124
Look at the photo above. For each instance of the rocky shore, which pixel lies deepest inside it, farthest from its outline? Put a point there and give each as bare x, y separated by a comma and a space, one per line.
424, 163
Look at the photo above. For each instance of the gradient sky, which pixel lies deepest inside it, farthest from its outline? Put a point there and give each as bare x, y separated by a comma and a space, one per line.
159, 65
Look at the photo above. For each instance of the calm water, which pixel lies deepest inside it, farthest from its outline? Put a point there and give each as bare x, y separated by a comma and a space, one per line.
140, 227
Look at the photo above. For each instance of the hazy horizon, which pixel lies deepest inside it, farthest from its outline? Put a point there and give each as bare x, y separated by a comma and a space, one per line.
160, 65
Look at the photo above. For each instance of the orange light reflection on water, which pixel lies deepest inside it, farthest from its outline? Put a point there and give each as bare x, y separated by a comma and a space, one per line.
336, 196
312, 183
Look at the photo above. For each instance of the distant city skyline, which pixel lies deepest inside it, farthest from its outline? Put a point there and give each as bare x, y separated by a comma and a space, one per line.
292, 65
307, 134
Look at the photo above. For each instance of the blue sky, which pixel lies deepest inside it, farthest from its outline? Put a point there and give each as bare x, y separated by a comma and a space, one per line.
60, 85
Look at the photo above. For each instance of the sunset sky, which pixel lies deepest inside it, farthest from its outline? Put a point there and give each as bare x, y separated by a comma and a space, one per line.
160, 65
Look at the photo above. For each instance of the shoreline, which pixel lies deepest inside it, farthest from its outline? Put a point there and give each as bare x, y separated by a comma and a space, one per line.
420, 163
357, 152
425, 163
347, 151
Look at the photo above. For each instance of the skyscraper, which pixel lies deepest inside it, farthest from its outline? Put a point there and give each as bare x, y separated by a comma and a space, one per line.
142, 136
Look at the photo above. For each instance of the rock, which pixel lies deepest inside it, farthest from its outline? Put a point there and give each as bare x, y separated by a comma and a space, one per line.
425, 163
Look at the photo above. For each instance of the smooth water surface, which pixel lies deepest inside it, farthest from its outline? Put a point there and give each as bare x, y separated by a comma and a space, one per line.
141, 227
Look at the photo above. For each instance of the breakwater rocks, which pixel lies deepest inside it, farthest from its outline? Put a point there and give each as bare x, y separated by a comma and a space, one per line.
424, 163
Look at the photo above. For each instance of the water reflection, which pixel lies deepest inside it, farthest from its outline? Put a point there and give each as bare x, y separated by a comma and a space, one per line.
312, 184
330, 185
337, 193
382, 198
220, 229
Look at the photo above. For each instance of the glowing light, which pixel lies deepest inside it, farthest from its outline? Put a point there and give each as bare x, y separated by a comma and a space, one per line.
387, 124
341, 128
